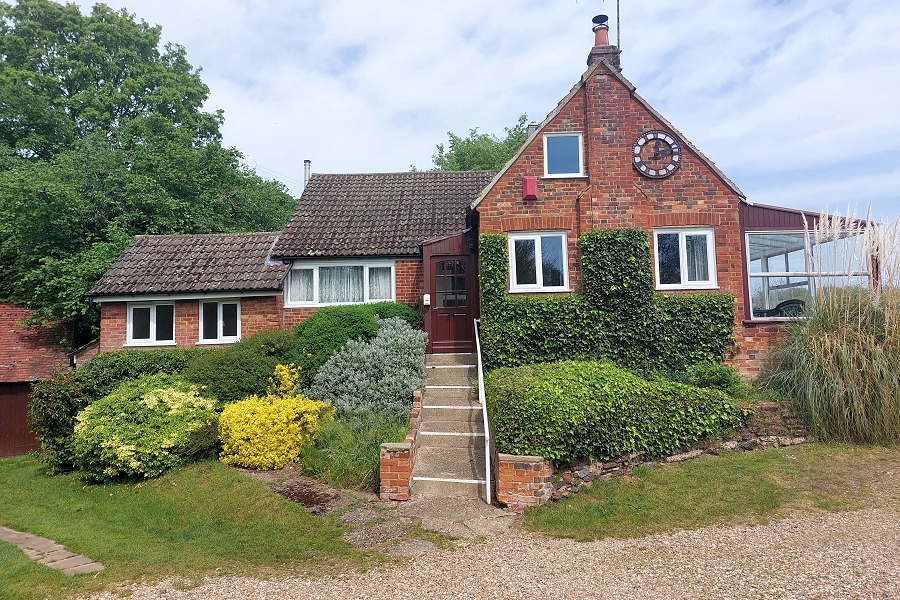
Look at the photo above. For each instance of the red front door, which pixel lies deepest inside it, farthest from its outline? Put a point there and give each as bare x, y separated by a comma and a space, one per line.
452, 302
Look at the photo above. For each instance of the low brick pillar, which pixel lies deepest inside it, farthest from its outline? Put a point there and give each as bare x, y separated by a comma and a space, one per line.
395, 469
523, 481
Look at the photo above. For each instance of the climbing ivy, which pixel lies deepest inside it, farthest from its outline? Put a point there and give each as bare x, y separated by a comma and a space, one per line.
618, 316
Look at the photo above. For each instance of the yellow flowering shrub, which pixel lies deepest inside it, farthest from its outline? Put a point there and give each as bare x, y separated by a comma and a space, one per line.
269, 432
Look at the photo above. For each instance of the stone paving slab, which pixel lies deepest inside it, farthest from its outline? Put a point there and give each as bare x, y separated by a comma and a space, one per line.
49, 553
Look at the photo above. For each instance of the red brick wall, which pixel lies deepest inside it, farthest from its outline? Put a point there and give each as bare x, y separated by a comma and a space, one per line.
410, 281
614, 194
28, 354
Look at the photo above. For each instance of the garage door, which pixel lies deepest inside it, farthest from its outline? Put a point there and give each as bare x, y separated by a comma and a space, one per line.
15, 437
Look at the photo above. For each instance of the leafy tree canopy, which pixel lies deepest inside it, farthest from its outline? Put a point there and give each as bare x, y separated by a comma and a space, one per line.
103, 137
480, 150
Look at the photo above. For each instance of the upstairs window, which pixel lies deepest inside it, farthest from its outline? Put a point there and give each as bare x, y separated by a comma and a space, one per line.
563, 155
313, 285
151, 324
685, 258
538, 262
220, 321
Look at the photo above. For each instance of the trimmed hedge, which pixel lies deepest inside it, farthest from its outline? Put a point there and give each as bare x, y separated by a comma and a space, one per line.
618, 316
244, 368
330, 327
568, 411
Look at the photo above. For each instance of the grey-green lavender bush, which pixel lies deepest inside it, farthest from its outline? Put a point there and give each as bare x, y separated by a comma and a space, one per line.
374, 378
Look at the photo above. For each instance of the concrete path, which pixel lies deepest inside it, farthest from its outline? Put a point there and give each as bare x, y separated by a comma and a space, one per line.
47, 552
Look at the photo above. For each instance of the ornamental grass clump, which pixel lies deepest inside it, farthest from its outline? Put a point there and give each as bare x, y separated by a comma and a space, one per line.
840, 364
269, 432
143, 428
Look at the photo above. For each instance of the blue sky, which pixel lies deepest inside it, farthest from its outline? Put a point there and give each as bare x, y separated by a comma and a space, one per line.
798, 102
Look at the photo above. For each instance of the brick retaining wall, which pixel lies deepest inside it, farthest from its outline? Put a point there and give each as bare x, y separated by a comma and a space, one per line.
396, 460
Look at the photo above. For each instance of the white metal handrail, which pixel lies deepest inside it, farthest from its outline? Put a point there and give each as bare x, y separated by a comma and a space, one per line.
487, 429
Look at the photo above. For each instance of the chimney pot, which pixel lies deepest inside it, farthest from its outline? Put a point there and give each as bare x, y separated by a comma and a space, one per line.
602, 48
306, 165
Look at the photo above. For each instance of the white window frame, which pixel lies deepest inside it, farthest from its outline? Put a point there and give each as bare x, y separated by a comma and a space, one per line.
129, 338
514, 286
297, 266
710, 233
220, 339
810, 273
580, 172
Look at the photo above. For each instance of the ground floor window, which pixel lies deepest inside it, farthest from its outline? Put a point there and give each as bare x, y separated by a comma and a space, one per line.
685, 258
537, 262
151, 324
220, 321
340, 283
786, 267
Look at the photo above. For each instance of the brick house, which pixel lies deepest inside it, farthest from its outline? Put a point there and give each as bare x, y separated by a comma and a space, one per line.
603, 158
26, 357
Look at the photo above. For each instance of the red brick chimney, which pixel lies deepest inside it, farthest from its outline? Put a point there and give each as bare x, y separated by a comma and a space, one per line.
602, 48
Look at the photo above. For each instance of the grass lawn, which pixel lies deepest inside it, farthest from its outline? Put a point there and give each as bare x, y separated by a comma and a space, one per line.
734, 488
201, 519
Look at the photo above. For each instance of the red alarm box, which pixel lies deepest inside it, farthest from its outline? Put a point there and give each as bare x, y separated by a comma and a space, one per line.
529, 188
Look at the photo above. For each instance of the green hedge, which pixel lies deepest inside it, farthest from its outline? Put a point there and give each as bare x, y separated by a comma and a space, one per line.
568, 411
55, 402
618, 316
244, 368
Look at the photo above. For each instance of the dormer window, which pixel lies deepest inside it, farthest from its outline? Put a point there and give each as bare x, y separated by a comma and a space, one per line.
563, 155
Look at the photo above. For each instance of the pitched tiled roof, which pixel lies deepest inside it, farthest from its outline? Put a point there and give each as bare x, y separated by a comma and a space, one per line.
372, 214
218, 262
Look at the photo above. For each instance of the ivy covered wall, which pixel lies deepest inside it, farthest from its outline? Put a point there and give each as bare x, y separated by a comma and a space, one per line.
617, 316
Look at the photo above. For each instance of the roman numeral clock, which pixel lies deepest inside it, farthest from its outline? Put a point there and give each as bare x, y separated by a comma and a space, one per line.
656, 154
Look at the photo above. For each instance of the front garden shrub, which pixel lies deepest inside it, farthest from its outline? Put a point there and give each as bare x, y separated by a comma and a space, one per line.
57, 401
244, 368
376, 377
573, 410
346, 454
269, 432
142, 428
51, 415
331, 327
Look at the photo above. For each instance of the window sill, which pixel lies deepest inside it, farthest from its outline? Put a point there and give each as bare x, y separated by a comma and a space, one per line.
570, 176
687, 288
768, 320
541, 291
217, 342
147, 344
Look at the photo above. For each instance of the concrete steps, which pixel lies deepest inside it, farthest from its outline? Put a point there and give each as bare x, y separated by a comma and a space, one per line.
450, 454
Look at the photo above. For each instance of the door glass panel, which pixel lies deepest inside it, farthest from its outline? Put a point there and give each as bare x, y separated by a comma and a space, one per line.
439, 299
460, 299
451, 267
439, 268
460, 267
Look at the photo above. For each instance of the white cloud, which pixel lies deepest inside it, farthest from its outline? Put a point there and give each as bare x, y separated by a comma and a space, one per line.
795, 101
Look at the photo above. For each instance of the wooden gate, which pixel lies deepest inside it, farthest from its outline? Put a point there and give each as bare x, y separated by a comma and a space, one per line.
15, 436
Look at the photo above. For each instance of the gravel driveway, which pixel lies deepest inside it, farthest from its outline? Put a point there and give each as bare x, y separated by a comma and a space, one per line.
830, 555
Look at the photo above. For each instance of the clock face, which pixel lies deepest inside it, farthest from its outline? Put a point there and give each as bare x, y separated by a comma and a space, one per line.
656, 154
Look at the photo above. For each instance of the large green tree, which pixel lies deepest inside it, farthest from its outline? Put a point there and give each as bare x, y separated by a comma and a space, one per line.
102, 137
480, 150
